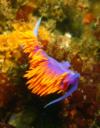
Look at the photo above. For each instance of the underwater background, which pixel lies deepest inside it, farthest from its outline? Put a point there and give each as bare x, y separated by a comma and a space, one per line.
69, 31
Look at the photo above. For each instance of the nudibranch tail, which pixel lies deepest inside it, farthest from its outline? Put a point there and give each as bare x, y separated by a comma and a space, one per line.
35, 31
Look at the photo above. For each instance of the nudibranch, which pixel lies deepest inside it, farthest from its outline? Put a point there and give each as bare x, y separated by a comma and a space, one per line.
45, 74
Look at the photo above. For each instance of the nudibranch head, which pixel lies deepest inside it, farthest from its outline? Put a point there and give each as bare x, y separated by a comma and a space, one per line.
46, 75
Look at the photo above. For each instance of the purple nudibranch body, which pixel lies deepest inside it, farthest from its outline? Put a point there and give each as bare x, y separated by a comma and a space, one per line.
46, 75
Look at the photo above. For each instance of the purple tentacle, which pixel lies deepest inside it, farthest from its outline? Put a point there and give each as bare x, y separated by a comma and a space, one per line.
73, 88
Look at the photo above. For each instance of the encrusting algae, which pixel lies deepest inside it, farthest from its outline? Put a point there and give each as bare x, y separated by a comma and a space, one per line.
11, 43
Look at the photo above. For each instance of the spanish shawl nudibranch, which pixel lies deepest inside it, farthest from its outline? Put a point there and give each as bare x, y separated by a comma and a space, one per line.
46, 75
